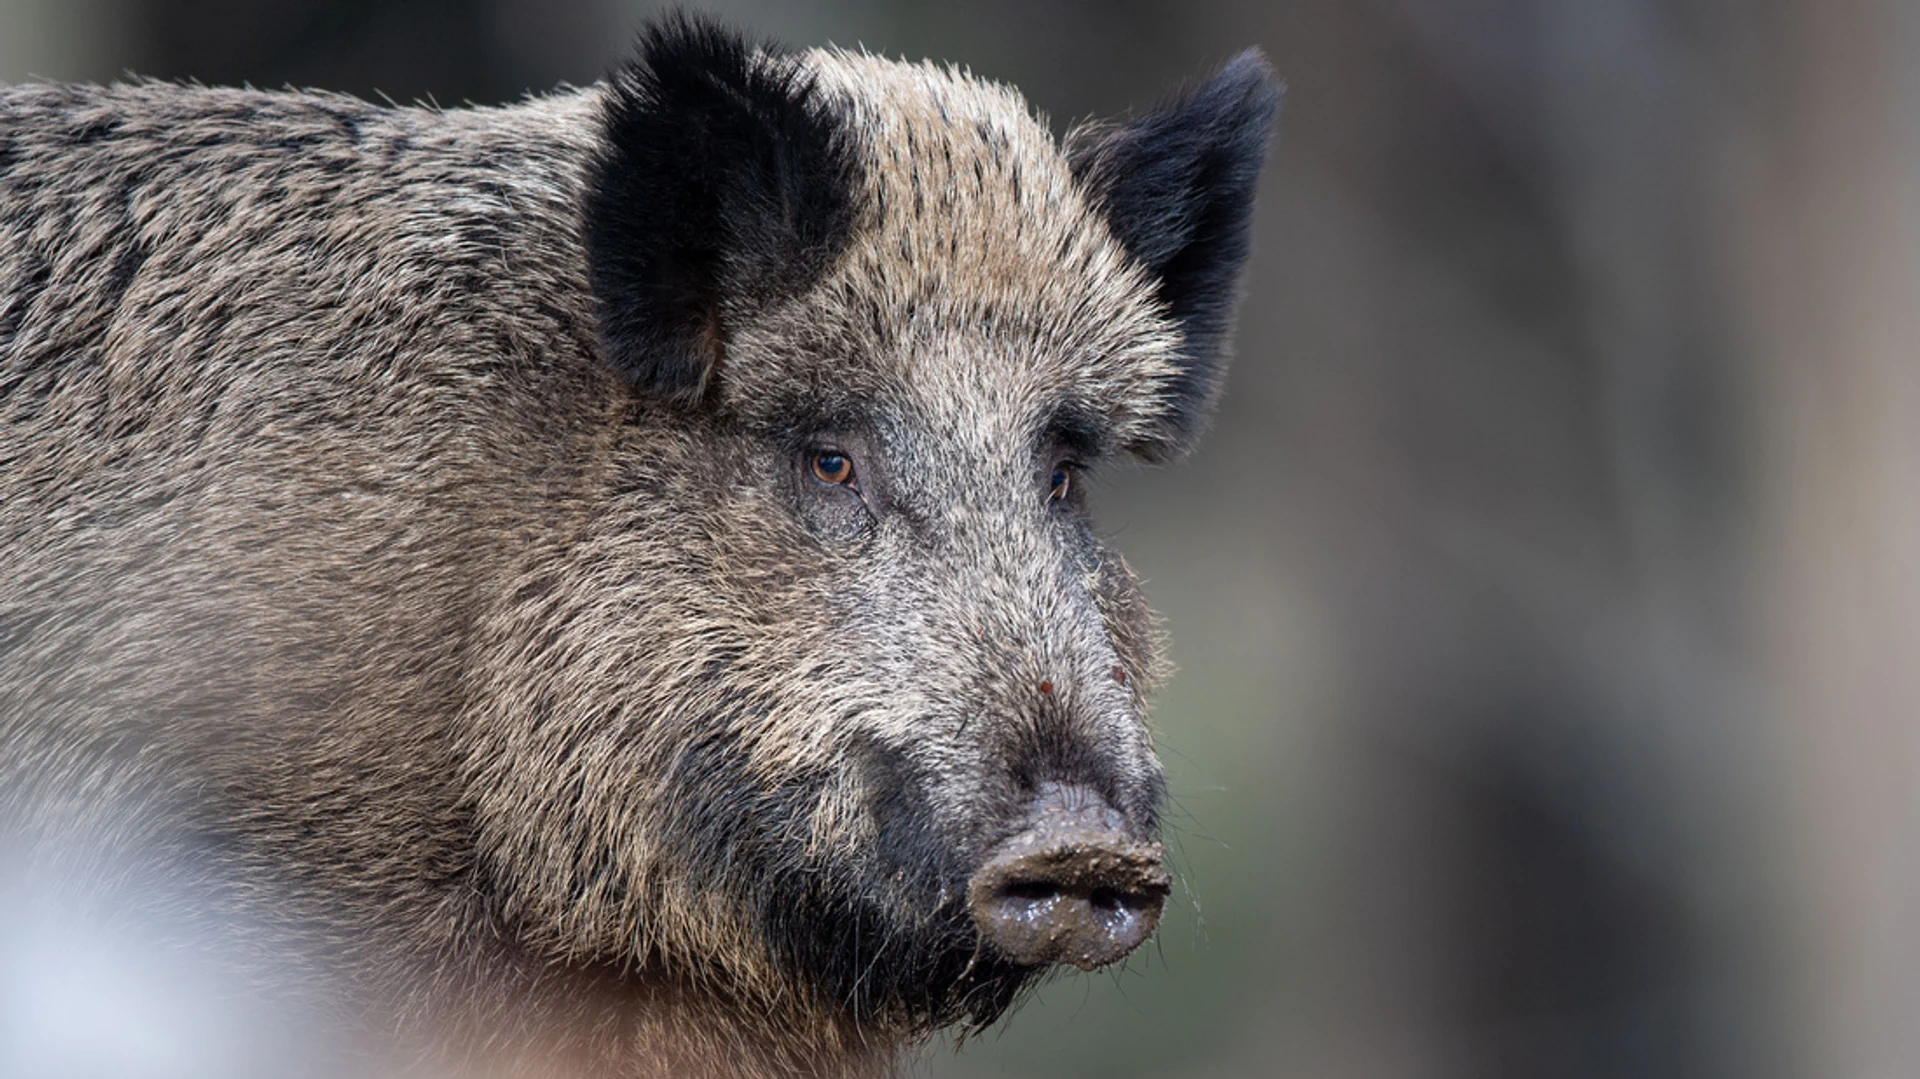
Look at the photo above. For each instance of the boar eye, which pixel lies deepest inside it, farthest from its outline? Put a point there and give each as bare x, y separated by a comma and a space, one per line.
832, 468
1059, 482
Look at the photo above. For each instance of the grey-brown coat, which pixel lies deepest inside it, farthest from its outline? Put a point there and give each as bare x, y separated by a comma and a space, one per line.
428, 546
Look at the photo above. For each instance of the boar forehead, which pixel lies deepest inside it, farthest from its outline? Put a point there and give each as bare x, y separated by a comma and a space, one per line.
977, 278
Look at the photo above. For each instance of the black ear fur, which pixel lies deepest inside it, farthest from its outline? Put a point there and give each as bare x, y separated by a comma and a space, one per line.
1177, 187
724, 185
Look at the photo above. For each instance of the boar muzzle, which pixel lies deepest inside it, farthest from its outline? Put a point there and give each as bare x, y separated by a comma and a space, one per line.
1073, 887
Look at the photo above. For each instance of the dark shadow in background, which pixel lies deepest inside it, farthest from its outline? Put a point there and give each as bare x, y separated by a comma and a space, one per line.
406, 50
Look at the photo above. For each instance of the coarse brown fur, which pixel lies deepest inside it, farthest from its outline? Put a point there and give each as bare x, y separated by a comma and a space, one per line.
537, 711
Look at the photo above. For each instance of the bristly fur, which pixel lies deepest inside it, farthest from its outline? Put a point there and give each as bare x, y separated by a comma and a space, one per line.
1177, 187
724, 187
370, 567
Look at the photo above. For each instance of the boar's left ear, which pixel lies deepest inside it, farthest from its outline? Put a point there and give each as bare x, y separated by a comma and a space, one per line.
1176, 186
724, 185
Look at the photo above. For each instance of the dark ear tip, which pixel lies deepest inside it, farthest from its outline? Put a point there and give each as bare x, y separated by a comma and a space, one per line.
1251, 65
722, 185
1177, 186
1250, 82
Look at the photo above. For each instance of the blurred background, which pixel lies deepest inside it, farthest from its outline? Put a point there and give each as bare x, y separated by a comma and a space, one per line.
1547, 596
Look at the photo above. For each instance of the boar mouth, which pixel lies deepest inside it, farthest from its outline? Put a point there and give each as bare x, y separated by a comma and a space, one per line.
919, 932
887, 933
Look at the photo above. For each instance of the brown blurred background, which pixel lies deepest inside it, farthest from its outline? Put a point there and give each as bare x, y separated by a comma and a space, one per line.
1547, 596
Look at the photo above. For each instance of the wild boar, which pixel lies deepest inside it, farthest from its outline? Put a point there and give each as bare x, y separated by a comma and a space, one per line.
606, 579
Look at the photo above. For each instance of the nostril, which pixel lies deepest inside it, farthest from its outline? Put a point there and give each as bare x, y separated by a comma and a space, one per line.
1089, 904
1031, 891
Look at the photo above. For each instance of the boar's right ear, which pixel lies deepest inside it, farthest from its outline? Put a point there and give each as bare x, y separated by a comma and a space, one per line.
1176, 186
724, 185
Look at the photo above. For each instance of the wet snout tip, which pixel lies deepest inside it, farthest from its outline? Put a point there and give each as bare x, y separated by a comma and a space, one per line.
1072, 888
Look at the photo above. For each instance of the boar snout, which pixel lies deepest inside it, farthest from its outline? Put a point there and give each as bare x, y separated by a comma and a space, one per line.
1073, 887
